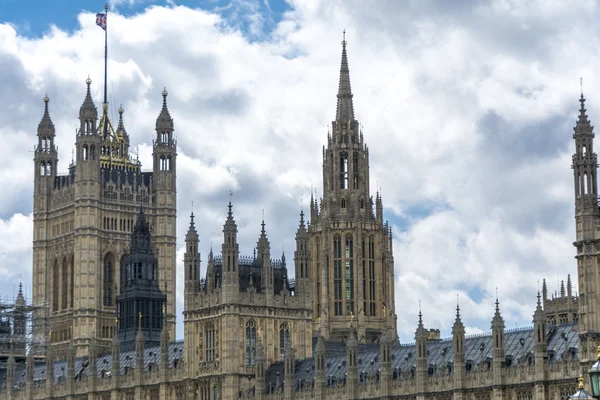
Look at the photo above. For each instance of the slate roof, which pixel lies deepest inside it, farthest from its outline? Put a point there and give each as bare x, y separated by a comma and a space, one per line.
104, 364
563, 343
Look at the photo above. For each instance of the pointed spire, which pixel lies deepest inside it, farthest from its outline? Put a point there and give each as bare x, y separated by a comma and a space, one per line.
583, 123
497, 321
121, 127
302, 226
88, 104
345, 108
191, 233
539, 301
46, 122
164, 120
569, 286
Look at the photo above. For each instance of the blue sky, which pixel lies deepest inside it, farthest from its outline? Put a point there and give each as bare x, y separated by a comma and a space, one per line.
467, 109
34, 17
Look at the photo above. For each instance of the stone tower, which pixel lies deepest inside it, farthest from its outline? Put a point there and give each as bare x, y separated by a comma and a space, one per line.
140, 302
587, 220
83, 222
241, 302
350, 246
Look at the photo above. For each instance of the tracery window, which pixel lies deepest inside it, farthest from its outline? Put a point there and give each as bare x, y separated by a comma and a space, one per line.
349, 258
210, 342
344, 171
109, 263
318, 274
250, 344
372, 304
284, 335
337, 275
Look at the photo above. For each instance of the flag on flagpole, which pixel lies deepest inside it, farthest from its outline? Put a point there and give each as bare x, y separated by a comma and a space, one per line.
101, 20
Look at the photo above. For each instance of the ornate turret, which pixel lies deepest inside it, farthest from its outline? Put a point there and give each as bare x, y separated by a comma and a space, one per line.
263, 248
230, 252
421, 337
302, 261
191, 259
140, 292
88, 141
351, 262
458, 344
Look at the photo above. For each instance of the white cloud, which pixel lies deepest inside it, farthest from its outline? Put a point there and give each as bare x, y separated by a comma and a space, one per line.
467, 114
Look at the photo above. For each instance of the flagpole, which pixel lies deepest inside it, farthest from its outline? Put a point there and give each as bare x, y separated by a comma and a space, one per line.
105, 53
105, 70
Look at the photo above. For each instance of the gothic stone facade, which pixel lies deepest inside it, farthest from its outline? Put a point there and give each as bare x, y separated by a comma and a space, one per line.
248, 327
83, 220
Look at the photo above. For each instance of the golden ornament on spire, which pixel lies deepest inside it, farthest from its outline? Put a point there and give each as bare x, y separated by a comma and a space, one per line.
598, 353
580, 381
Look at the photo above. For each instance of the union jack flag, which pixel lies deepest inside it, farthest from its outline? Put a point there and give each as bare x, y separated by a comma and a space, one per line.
101, 20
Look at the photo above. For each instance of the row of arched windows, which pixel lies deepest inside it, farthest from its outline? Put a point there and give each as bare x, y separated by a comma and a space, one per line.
164, 163
45, 168
121, 224
88, 153
45, 145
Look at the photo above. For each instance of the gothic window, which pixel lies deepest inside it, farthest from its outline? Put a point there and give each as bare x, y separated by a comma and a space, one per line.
250, 344
55, 286
84, 152
109, 263
92, 152
318, 274
64, 290
210, 342
215, 393
364, 274
284, 335
49, 168
372, 305
168, 163
71, 280
42, 168
355, 171
343, 203
349, 258
344, 171
583, 151
337, 275
585, 183
164, 138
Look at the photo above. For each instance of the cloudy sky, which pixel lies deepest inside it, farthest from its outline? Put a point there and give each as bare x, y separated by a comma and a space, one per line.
467, 108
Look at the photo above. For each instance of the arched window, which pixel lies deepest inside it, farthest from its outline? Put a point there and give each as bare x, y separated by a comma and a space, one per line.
284, 335
49, 168
349, 258
109, 265
318, 274
337, 275
210, 342
168, 163
92, 152
64, 287
355, 170
84, 152
344, 171
372, 305
585, 184
71, 280
584, 150
250, 344
42, 168
55, 286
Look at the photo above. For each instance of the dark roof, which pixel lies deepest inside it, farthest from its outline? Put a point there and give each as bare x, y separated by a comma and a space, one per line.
127, 359
563, 343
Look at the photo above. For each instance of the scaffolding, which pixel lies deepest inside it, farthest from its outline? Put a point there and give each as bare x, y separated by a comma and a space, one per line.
24, 328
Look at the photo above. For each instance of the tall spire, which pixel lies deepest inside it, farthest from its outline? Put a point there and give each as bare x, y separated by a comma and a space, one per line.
582, 122
345, 108
164, 120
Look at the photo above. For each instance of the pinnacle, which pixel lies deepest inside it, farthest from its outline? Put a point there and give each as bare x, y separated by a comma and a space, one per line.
345, 108
88, 103
164, 120
583, 123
